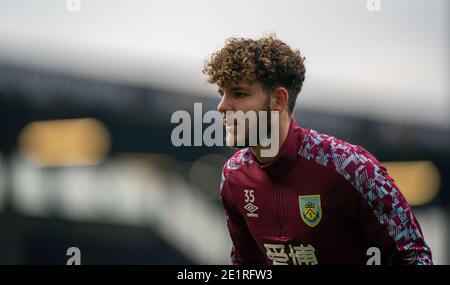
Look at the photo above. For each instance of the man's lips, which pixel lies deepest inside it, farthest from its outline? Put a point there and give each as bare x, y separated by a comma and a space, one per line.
229, 124
230, 127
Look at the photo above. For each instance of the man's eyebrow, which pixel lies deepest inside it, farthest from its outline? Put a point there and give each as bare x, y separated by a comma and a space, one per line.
239, 88
233, 89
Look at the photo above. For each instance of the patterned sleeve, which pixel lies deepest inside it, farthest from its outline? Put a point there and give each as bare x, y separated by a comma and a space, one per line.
381, 210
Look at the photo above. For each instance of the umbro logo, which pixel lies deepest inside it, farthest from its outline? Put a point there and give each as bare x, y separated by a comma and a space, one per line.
250, 207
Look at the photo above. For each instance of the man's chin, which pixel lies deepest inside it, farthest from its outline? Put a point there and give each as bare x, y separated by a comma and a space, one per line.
231, 141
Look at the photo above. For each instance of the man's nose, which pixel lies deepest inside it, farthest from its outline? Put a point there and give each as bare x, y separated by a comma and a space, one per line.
224, 105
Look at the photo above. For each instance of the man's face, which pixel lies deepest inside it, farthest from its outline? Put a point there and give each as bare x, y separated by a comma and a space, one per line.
244, 97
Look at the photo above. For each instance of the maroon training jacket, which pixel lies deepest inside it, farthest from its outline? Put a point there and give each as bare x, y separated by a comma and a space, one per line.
321, 201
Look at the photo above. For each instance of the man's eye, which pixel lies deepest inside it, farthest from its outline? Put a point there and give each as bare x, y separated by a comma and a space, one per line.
240, 94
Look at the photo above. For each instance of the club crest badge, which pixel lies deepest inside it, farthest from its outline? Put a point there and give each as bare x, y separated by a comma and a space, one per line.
310, 209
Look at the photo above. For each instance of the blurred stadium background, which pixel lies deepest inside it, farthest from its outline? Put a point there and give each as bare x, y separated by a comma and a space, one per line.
86, 99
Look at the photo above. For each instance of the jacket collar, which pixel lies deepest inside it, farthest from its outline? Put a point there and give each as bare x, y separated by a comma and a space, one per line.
288, 154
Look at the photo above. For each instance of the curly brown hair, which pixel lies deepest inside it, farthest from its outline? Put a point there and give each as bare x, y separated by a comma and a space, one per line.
267, 60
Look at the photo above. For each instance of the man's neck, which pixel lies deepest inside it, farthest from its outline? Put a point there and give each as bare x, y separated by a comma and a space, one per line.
284, 130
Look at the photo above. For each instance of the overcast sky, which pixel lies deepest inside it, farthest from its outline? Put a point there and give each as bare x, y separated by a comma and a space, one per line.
391, 64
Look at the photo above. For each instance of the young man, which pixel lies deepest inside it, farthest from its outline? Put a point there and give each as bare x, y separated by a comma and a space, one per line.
319, 200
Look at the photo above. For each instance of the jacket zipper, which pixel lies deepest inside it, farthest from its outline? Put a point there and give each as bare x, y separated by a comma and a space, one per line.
283, 234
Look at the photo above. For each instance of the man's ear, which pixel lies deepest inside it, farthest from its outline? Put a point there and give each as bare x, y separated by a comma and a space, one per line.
279, 100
